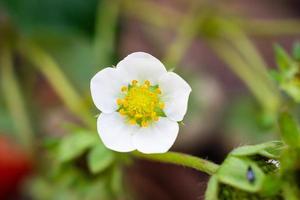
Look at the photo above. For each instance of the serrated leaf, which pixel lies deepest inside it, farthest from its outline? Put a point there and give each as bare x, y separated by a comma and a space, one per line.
289, 129
99, 158
269, 149
211, 192
234, 172
74, 145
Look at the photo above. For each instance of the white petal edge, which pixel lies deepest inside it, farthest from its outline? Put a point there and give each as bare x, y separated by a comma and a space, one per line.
141, 66
157, 138
175, 93
115, 133
105, 89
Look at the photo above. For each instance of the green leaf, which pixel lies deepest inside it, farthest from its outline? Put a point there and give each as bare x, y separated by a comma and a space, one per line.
100, 158
290, 191
160, 112
211, 192
234, 172
289, 129
272, 185
75, 145
269, 149
296, 51
283, 60
116, 181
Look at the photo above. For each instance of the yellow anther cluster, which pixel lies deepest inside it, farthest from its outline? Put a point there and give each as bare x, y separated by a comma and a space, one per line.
141, 103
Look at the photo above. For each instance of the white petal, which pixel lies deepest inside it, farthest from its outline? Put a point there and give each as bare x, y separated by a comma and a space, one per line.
105, 89
115, 133
157, 138
175, 93
142, 66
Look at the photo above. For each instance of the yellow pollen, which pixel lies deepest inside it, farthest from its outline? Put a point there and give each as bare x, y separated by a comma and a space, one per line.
147, 83
120, 101
137, 116
134, 82
122, 112
132, 121
124, 89
144, 124
161, 105
155, 118
141, 103
158, 91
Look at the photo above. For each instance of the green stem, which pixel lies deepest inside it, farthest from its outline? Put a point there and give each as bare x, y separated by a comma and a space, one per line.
14, 99
57, 79
273, 27
186, 33
105, 36
181, 159
238, 65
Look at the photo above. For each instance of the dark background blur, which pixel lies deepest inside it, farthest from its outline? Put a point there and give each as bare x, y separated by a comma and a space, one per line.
50, 49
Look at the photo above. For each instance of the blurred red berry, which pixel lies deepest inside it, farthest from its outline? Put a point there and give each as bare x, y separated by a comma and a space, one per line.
15, 164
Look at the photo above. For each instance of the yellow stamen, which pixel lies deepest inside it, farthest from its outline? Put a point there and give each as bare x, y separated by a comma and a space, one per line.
120, 101
137, 116
124, 89
158, 91
161, 105
122, 112
144, 124
132, 122
134, 82
140, 103
147, 83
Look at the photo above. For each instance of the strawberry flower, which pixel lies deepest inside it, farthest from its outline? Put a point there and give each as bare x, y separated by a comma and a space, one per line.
141, 104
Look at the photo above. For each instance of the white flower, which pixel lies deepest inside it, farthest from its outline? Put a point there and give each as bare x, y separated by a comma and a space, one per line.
141, 104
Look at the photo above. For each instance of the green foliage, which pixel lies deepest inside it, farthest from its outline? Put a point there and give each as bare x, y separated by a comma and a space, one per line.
289, 129
74, 145
233, 181
288, 72
212, 190
269, 149
99, 158
233, 172
296, 51
69, 16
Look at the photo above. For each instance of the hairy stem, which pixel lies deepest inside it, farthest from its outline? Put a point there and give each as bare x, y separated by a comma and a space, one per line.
181, 159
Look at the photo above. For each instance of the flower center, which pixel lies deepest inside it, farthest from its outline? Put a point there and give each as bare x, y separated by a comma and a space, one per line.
141, 103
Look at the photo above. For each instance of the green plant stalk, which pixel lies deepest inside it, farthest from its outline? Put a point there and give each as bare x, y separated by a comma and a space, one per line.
107, 13
186, 32
143, 10
185, 160
273, 27
256, 67
50, 69
14, 99
238, 65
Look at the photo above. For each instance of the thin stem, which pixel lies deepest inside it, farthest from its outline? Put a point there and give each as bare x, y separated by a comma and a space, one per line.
14, 99
105, 36
186, 33
271, 27
181, 159
238, 65
57, 79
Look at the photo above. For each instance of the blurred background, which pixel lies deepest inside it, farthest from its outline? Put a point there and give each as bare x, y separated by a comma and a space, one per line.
50, 49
